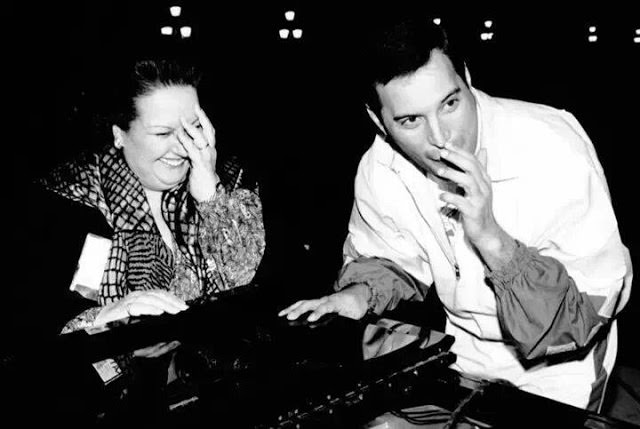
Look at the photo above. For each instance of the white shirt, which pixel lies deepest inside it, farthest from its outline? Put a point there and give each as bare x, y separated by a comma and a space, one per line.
549, 192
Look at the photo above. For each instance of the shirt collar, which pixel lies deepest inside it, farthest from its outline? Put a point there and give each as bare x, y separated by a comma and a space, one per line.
492, 138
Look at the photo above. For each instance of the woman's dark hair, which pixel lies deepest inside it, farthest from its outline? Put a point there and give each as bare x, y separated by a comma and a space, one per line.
142, 78
400, 49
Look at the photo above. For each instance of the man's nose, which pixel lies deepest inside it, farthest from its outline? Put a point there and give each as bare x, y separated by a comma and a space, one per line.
438, 134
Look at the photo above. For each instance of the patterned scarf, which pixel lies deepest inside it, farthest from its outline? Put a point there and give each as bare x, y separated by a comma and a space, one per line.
139, 258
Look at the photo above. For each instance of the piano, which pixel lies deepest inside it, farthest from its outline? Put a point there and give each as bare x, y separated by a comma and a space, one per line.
232, 362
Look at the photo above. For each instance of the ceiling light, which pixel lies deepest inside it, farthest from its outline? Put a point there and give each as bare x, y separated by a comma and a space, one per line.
185, 32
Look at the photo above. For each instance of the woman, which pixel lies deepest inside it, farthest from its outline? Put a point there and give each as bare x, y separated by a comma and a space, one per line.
179, 233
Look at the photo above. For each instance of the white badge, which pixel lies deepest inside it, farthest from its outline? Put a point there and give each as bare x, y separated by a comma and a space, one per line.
108, 370
93, 260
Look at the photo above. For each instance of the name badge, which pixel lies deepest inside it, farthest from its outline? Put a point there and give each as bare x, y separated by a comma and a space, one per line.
93, 260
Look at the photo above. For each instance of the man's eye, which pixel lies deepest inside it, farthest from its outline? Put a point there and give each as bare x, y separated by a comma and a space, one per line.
165, 134
451, 104
410, 122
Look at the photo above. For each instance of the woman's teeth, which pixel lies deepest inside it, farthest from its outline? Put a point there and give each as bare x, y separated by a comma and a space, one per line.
173, 162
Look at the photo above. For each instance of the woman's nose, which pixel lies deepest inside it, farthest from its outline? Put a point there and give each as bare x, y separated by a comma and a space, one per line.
177, 146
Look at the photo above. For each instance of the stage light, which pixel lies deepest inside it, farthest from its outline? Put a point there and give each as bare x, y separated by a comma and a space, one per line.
593, 38
636, 39
592, 29
437, 21
297, 33
175, 10
284, 33
185, 32
637, 31
488, 23
167, 31
486, 36
289, 15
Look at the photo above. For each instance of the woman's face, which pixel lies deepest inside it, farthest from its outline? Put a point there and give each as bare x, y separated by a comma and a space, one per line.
151, 146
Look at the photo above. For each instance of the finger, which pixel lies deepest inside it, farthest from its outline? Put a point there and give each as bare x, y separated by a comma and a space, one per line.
461, 159
306, 306
290, 308
139, 308
470, 165
148, 351
207, 128
192, 151
156, 350
321, 310
195, 134
462, 179
169, 298
157, 302
459, 202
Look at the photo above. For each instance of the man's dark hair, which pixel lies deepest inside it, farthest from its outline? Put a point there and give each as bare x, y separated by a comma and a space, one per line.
400, 49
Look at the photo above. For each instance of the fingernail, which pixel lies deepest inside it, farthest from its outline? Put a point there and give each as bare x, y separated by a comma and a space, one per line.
444, 153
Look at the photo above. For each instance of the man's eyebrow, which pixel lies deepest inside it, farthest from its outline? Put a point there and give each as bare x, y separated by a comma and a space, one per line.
451, 94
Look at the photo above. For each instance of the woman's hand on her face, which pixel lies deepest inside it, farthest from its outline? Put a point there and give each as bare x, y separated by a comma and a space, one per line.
148, 302
200, 145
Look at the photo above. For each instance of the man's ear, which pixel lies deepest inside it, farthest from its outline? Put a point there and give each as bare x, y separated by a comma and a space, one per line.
374, 118
118, 137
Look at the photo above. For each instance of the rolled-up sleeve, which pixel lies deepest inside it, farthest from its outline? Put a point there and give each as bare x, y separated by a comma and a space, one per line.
388, 283
540, 307
573, 275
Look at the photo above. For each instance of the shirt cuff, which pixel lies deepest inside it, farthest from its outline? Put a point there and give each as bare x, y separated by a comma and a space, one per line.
504, 276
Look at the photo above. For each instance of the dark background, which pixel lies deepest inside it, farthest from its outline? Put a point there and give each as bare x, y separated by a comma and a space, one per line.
290, 108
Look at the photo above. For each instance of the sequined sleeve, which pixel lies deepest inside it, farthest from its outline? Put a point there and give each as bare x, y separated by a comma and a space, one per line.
232, 234
82, 320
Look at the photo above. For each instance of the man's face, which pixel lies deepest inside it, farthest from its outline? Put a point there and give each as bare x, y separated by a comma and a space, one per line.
424, 110
151, 146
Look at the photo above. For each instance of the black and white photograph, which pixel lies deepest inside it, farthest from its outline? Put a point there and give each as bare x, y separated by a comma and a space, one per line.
316, 214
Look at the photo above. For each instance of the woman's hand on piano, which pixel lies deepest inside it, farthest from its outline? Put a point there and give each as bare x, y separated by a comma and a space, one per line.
138, 303
350, 302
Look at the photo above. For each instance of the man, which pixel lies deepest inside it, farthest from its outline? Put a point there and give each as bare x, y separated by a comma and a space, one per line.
501, 205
